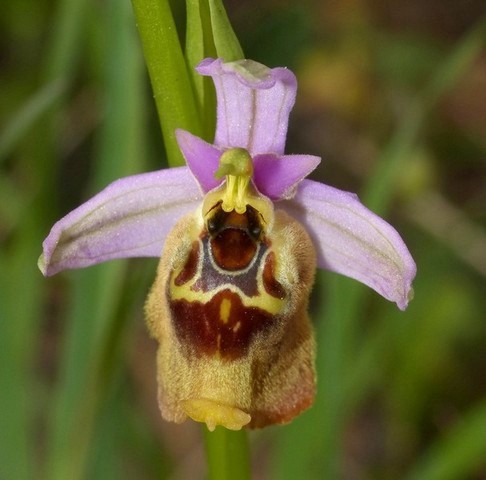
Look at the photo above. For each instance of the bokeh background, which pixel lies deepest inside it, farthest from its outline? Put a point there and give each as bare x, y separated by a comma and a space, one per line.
393, 98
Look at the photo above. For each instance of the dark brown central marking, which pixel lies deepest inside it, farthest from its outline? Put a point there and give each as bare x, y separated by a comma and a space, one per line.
233, 249
223, 325
234, 237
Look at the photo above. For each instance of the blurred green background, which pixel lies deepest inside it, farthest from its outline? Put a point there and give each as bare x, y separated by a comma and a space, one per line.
392, 96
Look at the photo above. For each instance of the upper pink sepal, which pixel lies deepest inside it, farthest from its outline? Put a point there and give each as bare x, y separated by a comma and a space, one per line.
254, 104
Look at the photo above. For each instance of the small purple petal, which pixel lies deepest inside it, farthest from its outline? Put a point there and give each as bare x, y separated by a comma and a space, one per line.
201, 157
352, 240
277, 177
254, 104
129, 218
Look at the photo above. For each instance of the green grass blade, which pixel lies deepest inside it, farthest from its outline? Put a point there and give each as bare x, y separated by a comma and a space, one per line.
378, 195
12, 204
199, 45
23, 288
21, 294
459, 453
93, 320
25, 118
316, 431
174, 97
78, 394
379, 190
227, 45
67, 28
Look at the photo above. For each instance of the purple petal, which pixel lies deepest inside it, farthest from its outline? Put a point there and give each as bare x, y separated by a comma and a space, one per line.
129, 218
201, 157
278, 177
352, 240
254, 104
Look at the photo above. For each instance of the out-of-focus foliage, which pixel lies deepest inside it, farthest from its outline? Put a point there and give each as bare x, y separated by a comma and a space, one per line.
392, 97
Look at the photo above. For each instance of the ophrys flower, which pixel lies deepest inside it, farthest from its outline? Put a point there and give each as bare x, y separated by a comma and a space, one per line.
239, 231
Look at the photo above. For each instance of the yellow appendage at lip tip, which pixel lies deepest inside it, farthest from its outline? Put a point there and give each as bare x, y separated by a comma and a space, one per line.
213, 413
237, 166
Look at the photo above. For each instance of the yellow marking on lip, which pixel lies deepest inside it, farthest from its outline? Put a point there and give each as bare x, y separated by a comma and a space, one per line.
224, 310
262, 300
237, 326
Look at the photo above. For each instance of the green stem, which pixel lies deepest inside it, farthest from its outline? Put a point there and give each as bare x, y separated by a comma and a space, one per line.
167, 68
227, 454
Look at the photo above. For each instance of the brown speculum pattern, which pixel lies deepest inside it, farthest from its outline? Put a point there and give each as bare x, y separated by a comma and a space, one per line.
226, 292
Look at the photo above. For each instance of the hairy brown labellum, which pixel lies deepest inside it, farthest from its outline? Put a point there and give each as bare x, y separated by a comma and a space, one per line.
229, 310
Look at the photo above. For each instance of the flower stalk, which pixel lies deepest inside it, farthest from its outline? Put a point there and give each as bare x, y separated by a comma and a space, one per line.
228, 454
173, 93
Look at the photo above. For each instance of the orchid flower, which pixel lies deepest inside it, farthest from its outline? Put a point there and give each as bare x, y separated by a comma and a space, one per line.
240, 231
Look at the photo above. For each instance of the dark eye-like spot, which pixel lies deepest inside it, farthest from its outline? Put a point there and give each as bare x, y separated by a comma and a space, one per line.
255, 231
249, 222
254, 225
212, 226
217, 221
